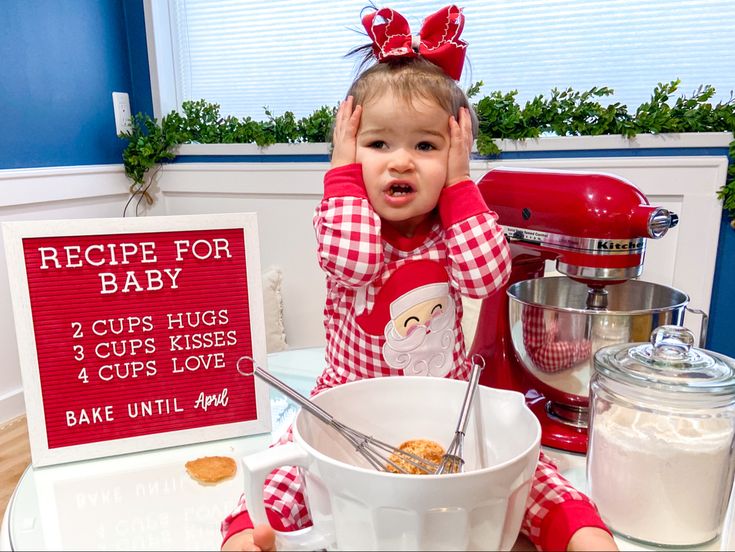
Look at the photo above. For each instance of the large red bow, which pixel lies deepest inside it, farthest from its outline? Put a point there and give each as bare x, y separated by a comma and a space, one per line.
438, 40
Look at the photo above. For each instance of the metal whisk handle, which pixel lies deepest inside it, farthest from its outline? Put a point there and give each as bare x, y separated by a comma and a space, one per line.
294, 395
478, 363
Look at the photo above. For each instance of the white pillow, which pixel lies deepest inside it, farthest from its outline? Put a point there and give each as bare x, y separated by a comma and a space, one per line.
275, 333
471, 308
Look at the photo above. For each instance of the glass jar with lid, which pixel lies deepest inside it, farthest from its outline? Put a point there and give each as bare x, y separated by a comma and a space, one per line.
662, 422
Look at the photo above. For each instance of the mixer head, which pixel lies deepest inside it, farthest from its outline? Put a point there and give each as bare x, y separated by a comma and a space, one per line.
593, 225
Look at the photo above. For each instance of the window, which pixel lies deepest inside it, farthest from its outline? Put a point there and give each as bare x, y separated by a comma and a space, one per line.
288, 55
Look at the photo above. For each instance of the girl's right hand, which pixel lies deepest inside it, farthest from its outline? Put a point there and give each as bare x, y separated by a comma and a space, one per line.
344, 138
261, 538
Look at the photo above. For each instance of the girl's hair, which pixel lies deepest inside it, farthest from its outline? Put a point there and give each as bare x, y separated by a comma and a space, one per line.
411, 78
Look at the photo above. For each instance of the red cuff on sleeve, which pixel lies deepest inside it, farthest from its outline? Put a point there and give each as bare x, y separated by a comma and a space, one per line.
460, 202
345, 181
243, 522
563, 520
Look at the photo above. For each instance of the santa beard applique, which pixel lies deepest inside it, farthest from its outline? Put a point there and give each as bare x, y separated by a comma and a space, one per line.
427, 349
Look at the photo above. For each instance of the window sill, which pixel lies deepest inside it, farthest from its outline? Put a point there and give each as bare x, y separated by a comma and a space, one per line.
550, 143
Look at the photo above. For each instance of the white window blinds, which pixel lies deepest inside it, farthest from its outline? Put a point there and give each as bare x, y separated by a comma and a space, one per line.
288, 55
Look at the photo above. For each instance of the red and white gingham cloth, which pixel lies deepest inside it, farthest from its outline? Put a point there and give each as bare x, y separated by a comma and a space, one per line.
359, 256
549, 353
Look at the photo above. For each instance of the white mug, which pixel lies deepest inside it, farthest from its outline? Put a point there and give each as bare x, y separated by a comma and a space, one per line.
355, 507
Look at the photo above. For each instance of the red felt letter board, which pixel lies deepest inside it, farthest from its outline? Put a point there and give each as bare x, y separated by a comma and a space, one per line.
136, 334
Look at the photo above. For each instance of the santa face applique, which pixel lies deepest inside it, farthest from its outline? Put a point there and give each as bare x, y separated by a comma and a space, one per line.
415, 313
420, 337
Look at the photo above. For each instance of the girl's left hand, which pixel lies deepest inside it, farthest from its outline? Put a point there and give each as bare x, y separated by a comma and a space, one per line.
460, 146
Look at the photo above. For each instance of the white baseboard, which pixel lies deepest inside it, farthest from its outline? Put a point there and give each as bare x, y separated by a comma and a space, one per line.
12, 405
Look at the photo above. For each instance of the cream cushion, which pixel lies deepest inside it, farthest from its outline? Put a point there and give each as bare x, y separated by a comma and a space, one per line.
275, 332
471, 308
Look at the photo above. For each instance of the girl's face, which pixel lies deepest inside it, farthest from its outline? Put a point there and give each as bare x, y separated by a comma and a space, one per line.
403, 149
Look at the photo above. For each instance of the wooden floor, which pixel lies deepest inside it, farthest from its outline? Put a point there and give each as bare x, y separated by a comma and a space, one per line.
15, 455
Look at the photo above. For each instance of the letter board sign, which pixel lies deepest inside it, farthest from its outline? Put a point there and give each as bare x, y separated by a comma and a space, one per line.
129, 331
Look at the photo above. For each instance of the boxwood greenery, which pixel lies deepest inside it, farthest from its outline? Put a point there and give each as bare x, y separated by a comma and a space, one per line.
561, 113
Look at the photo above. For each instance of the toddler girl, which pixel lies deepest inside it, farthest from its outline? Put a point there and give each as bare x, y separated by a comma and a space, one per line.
403, 233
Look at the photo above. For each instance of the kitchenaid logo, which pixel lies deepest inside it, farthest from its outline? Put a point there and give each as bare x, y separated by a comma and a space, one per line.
591, 246
620, 245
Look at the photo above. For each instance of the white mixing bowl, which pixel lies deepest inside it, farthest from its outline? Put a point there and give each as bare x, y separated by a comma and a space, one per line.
355, 507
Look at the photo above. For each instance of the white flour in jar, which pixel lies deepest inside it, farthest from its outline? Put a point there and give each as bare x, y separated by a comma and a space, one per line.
658, 478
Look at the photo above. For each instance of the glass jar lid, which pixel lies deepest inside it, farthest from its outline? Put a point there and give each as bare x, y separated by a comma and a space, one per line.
668, 363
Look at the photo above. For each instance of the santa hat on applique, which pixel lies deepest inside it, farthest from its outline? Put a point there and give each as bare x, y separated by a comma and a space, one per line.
412, 283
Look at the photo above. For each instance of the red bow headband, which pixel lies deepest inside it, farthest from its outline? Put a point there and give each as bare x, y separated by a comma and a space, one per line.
438, 41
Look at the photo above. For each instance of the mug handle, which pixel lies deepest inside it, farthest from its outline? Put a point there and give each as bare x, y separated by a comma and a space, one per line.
256, 467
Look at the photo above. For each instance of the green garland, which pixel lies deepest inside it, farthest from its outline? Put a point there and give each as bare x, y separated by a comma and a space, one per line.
564, 113
151, 143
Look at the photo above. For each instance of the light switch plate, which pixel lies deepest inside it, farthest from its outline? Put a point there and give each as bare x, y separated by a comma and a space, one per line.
121, 104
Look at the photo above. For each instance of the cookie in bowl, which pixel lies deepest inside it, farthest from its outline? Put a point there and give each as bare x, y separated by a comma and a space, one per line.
424, 448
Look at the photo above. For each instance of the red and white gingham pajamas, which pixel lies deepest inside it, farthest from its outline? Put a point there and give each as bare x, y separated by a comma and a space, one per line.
359, 255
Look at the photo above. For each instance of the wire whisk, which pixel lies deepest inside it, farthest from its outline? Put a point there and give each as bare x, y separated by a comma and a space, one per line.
453, 460
379, 455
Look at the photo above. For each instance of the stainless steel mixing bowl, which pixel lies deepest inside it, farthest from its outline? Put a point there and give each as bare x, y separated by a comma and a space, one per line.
555, 333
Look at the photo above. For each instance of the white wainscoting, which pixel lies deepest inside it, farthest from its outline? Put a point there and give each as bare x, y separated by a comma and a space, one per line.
91, 191
284, 196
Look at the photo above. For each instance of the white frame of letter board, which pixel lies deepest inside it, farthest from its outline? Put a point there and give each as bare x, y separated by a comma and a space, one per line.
13, 234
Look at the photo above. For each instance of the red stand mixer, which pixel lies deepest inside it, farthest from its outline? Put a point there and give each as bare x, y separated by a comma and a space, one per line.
538, 334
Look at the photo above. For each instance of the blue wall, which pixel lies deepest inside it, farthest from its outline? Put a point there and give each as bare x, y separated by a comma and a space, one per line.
722, 311
60, 61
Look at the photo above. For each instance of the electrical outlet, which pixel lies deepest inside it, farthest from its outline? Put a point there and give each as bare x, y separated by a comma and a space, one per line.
121, 104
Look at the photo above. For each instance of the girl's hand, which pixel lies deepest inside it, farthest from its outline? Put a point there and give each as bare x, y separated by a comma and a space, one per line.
262, 539
460, 146
591, 538
344, 137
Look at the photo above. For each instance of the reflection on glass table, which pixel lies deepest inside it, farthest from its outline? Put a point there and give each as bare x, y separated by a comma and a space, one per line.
144, 501
299, 368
